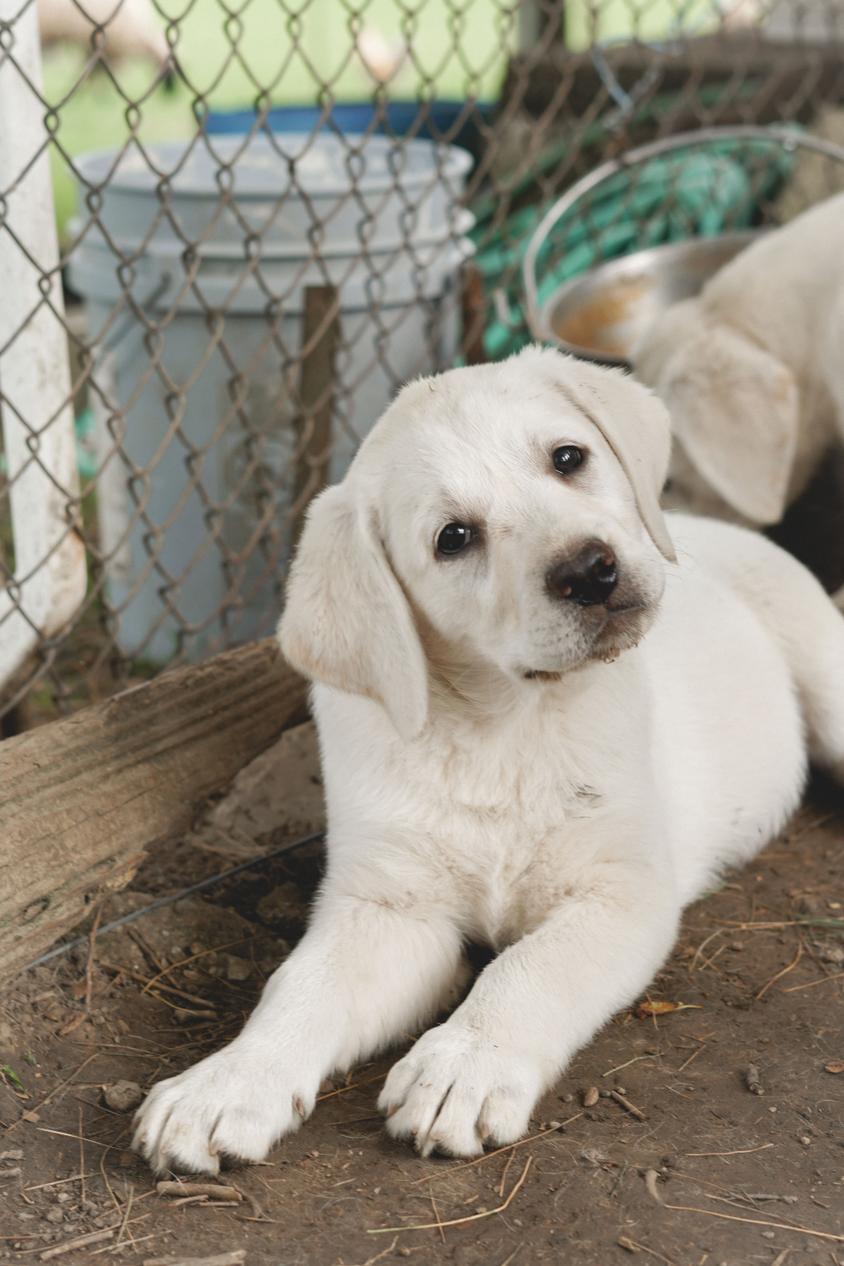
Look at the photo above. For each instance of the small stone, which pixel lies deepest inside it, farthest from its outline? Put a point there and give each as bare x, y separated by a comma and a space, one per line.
834, 1066
123, 1096
767, 1235
54, 1215
593, 1156
12, 1154
753, 1081
590, 1097
237, 968
63, 1197
568, 1097
805, 1139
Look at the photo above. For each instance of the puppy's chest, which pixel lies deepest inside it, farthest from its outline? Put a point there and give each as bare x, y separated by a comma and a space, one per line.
507, 839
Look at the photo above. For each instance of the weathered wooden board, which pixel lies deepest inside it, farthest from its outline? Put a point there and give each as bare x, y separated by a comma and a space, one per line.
82, 799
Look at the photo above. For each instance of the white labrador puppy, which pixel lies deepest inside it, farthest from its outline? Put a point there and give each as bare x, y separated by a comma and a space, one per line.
538, 730
751, 371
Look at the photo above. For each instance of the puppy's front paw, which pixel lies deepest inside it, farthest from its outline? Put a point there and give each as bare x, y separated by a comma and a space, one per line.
456, 1093
234, 1104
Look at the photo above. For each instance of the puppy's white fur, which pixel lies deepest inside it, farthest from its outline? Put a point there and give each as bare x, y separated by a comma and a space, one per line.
751, 371
566, 818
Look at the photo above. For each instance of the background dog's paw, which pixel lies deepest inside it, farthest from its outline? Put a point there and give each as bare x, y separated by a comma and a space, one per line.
455, 1093
226, 1106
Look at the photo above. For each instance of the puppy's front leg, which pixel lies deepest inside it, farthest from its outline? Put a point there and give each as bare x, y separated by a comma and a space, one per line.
364, 973
475, 1079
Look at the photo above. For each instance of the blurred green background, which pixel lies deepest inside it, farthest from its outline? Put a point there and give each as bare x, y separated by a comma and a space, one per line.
232, 53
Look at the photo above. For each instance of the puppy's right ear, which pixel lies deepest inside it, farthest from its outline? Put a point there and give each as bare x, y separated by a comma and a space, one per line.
347, 622
735, 410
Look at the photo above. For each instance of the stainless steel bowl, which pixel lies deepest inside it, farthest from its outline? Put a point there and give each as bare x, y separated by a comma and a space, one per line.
602, 314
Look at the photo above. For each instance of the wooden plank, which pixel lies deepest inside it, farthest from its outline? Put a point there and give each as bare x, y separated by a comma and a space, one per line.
83, 799
320, 337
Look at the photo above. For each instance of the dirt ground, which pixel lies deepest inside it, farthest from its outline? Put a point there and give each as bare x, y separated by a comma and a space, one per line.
711, 1134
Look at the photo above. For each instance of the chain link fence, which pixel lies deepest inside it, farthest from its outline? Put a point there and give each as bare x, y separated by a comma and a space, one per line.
230, 229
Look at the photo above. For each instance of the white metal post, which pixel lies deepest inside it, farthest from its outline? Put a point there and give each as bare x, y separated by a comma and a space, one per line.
37, 410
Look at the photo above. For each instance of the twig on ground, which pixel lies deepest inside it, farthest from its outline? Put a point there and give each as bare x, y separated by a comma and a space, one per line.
344, 1090
779, 975
214, 1191
236, 1257
499, 1151
89, 963
632, 1246
780, 1226
183, 962
437, 1216
81, 1241
81, 1159
627, 1105
385, 1252
504, 1174
57, 1182
161, 986
651, 1179
693, 1056
43, 1129
619, 1067
471, 1217
824, 980
124, 1225
738, 1151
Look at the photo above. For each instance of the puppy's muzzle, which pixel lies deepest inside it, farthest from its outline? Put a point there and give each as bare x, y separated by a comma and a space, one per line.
586, 579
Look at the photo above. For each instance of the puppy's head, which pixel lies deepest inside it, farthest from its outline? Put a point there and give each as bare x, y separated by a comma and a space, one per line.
504, 517
734, 408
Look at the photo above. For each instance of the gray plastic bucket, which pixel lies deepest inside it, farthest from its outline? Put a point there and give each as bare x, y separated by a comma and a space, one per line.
189, 569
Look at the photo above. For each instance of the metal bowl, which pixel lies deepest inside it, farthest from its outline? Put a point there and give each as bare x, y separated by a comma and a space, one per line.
602, 314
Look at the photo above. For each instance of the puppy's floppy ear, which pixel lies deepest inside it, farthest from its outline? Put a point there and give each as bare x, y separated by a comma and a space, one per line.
635, 424
735, 409
347, 622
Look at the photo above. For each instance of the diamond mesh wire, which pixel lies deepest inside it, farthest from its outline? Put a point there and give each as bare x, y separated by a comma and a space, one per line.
219, 318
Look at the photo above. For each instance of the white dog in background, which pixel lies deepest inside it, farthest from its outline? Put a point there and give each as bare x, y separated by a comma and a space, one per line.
752, 372
539, 729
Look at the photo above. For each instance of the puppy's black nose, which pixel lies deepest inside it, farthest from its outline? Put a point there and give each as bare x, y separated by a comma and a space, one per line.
587, 579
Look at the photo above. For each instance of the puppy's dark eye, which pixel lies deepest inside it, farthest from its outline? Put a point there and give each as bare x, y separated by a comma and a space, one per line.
453, 538
567, 458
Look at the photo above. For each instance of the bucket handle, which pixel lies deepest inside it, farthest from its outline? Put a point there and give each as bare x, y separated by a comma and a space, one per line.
785, 136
